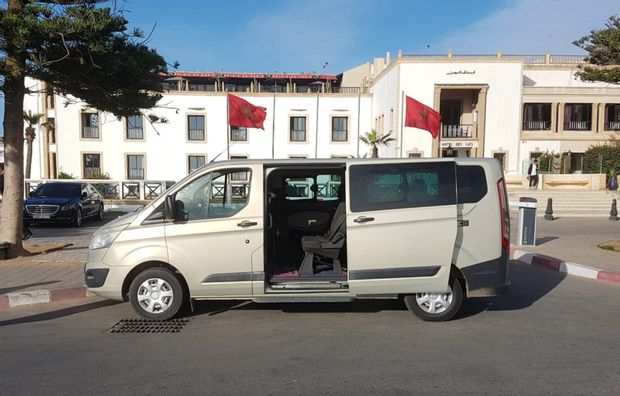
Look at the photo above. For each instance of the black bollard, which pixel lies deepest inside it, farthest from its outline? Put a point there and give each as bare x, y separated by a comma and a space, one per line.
613, 214
549, 210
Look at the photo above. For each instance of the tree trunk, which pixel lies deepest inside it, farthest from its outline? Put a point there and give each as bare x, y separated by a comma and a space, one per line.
375, 152
13, 198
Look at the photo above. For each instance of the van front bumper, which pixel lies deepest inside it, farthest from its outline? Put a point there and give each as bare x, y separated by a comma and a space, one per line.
489, 278
102, 279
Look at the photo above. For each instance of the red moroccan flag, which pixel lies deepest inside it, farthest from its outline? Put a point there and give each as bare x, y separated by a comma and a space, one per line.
242, 113
421, 116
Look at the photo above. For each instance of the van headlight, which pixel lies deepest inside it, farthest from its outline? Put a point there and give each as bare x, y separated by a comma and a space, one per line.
104, 238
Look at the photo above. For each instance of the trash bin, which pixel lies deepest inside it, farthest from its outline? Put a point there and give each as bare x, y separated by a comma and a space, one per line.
527, 221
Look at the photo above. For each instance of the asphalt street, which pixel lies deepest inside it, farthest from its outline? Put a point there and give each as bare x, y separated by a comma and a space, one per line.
552, 334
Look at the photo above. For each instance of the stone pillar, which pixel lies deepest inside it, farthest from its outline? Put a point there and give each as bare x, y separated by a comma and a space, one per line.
561, 117
594, 128
601, 117
481, 107
436, 151
554, 117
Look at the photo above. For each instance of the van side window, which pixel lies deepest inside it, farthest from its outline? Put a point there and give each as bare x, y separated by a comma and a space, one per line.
216, 195
323, 188
397, 186
471, 184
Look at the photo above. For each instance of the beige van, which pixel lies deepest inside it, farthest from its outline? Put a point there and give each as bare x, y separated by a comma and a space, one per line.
429, 230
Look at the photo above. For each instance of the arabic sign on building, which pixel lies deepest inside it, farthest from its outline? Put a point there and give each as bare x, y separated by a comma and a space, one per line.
459, 144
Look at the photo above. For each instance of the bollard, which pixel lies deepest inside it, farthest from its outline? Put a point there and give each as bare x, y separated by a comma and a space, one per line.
549, 210
613, 214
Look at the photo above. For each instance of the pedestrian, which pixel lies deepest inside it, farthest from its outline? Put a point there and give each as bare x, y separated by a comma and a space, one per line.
1, 181
532, 174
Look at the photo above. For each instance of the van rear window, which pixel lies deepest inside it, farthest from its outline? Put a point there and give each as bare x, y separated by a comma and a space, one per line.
396, 186
471, 183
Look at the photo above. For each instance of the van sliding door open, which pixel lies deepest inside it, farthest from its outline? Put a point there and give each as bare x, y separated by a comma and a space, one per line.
401, 226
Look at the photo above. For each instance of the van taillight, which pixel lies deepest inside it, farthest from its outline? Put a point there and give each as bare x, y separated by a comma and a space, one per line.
504, 213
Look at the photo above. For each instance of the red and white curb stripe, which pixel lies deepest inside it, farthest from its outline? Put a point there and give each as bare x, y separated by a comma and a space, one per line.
17, 299
566, 267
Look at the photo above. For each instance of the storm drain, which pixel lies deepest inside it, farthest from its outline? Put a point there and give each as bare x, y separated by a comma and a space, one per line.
149, 326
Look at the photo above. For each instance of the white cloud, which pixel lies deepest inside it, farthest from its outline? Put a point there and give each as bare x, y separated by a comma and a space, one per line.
531, 27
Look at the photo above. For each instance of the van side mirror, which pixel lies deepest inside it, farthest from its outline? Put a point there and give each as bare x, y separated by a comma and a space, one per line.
170, 208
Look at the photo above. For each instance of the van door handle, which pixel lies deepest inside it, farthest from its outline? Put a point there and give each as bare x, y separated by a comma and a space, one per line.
246, 223
463, 223
364, 219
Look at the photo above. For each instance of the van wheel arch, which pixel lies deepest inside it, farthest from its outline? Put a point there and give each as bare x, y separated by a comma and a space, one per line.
455, 272
152, 264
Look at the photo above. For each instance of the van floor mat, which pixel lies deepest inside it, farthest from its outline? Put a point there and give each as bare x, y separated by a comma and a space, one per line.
149, 326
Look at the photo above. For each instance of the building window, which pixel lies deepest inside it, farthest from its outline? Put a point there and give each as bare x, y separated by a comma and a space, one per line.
298, 129
135, 127
239, 176
612, 117
90, 126
340, 129
196, 127
238, 134
576, 162
577, 117
135, 167
414, 155
194, 162
91, 166
49, 96
537, 116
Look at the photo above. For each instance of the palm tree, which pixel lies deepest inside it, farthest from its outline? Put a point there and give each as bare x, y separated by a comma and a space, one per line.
374, 139
32, 120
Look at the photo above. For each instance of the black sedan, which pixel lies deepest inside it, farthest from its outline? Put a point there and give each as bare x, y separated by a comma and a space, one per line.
67, 202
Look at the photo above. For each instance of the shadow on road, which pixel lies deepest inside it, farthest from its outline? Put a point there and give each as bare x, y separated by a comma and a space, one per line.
529, 284
543, 240
59, 313
27, 285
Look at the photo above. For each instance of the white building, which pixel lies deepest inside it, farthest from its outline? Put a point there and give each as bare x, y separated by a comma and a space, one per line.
510, 107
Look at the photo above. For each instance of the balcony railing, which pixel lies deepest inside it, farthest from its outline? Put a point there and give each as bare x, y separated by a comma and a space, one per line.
612, 126
457, 131
577, 125
92, 172
536, 125
90, 132
115, 189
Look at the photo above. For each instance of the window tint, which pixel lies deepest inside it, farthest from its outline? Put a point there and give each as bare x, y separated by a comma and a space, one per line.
215, 195
321, 187
471, 183
395, 186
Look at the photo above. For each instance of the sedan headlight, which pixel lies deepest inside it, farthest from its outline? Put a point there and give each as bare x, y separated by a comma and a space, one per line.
104, 238
67, 207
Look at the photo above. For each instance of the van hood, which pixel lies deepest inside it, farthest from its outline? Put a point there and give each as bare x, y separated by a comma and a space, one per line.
122, 220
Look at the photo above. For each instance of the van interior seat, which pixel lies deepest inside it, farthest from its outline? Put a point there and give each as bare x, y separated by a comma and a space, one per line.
328, 245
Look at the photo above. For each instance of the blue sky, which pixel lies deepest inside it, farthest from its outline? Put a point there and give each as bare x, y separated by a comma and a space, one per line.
301, 36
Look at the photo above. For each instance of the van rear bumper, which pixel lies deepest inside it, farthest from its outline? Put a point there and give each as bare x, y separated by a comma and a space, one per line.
489, 278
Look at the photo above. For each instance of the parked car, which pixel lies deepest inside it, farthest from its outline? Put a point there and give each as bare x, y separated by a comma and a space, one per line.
63, 202
431, 231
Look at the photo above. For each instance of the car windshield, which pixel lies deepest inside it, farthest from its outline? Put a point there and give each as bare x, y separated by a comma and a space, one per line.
58, 190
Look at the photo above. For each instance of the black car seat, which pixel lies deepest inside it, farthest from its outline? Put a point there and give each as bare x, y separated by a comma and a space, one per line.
327, 245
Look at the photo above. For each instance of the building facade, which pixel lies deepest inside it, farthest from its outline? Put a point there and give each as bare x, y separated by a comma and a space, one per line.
509, 107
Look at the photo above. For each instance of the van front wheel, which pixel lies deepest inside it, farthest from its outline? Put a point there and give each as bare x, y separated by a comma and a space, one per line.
436, 307
156, 294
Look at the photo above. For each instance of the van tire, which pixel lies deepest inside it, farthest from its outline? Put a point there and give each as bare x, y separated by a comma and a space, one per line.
156, 294
416, 303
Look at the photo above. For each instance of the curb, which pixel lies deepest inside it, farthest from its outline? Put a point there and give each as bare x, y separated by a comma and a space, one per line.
567, 267
17, 299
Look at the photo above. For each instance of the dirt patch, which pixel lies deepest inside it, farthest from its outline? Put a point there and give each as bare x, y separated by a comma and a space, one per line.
612, 245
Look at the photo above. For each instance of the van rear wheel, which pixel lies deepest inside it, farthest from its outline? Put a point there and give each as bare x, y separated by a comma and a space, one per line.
156, 294
436, 307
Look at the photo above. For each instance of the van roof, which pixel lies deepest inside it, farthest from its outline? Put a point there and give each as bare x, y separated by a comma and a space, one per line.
318, 161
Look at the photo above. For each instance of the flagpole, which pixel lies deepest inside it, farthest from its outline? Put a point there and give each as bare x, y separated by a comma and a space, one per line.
273, 129
227, 127
402, 121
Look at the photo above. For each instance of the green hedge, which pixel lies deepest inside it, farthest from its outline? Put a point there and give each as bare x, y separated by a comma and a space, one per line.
601, 159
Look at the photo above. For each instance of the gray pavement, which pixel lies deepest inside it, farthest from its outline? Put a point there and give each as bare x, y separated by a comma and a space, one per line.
552, 334
575, 240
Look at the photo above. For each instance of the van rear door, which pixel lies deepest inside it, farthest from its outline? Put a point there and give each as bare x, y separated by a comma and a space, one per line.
401, 226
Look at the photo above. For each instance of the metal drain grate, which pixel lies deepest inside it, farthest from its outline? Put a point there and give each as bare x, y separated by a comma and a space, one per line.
149, 326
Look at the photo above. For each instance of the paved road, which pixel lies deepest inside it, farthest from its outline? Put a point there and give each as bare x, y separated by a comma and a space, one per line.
550, 335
